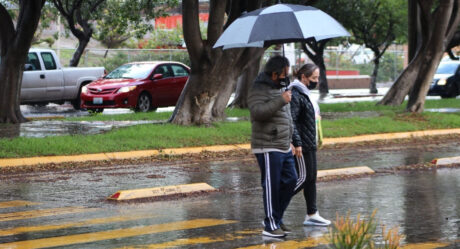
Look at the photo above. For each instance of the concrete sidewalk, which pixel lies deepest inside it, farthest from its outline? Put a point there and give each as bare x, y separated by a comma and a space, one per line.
30, 161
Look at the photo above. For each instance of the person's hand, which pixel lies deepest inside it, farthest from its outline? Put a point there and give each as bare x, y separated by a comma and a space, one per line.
298, 151
286, 96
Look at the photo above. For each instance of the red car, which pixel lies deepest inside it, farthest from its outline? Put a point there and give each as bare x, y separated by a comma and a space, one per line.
143, 86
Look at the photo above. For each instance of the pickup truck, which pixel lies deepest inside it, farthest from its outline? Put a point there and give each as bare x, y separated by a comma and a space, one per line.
46, 81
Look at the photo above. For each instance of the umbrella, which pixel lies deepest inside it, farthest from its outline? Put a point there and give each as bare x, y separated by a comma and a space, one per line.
280, 23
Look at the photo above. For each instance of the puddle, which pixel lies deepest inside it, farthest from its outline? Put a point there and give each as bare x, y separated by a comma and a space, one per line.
45, 128
444, 110
340, 115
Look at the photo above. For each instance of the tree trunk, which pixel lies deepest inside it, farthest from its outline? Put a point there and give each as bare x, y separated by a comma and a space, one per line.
445, 19
213, 71
434, 34
315, 51
82, 43
10, 89
14, 46
244, 83
198, 102
373, 83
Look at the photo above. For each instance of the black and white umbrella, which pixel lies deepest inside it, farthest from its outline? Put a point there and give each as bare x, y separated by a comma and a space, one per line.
280, 23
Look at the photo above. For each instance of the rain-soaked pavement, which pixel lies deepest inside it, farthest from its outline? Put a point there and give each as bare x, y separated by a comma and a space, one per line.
425, 205
67, 208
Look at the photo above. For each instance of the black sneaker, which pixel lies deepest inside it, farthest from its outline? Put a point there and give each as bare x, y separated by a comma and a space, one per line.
285, 228
278, 233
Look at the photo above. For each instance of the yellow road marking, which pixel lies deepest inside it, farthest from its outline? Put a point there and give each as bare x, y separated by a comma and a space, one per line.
9, 204
313, 242
199, 240
114, 234
43, 212
428, 245
292, 244
18, 230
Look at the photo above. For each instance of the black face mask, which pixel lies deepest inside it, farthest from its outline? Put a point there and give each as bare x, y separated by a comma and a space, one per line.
312, 85
284, 82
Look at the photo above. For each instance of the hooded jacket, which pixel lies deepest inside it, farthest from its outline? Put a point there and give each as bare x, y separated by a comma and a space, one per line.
272, 126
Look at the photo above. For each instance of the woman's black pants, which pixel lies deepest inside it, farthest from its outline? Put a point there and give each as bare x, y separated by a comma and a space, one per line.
307, 170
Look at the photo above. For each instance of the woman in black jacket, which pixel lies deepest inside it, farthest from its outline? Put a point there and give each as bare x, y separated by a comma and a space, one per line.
304, 112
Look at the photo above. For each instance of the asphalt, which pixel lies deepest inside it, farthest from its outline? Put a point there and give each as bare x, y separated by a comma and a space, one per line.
31, 161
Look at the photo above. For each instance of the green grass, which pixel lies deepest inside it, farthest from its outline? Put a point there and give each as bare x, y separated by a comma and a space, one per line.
140, 137
371, 106
235, 112
231, 112
154, 136
390, 122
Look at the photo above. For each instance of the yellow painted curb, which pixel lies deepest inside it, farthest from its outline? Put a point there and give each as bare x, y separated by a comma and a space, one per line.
387, 136
359, 170
124, 195
13, 162
446, 160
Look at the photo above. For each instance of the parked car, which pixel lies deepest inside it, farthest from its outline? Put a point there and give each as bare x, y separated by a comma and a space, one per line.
143, 86
45, 81
446, 81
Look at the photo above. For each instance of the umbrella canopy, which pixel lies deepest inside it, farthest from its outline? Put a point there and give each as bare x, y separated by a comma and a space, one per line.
280, 23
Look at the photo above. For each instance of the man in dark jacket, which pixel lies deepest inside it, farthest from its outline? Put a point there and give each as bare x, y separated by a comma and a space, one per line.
272, 130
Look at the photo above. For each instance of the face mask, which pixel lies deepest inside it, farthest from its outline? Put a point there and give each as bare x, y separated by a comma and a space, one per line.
284, 82
312, 85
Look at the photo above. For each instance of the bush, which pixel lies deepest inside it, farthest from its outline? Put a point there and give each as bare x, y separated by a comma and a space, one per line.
347, 234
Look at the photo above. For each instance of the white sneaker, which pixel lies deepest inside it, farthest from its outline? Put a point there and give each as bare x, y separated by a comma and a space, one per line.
316, 220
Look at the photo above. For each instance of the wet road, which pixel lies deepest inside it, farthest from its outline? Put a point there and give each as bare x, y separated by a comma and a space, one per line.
71, 211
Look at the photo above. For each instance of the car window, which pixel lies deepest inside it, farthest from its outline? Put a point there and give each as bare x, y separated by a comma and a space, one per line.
32, 59
165, 70
131, 71
49, 62
447, 68
179, 71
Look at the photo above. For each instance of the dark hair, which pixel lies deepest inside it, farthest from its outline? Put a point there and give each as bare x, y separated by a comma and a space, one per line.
306, 70
276, 64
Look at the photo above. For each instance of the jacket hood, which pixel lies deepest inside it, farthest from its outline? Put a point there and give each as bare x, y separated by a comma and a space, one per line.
265, 79
300, 86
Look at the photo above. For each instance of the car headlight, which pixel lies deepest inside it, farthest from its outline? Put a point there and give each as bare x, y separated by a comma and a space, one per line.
84, 89
441, 82
126, 89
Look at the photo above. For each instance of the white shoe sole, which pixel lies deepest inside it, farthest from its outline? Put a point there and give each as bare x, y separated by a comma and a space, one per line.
309, 223
265, 233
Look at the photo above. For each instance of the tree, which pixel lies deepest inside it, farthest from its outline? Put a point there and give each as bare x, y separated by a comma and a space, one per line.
432, 24
15, 40
81, 14
213, 71
376, 24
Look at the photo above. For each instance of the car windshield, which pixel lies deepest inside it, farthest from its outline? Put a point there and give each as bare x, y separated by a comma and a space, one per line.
447, 68
131, 71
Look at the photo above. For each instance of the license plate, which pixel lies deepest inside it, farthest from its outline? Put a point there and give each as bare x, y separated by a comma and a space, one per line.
97, 101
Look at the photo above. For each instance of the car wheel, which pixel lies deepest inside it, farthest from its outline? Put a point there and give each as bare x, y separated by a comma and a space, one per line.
144, 104
95, 110
76, 102
451, 92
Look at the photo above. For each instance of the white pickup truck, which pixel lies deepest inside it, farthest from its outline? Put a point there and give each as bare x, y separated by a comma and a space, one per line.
46, 81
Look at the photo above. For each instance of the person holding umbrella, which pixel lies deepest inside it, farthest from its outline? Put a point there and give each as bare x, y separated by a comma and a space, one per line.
272, 130
304, 112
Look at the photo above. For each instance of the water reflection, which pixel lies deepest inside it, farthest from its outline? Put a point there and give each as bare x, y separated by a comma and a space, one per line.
423, 219
45, 128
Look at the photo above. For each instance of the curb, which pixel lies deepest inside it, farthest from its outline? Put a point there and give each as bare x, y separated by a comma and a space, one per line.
135, 194
30, 161
351, 171
446, 161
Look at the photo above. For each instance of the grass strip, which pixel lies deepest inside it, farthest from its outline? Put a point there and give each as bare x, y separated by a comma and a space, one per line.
235, 112
151, 136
